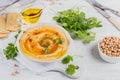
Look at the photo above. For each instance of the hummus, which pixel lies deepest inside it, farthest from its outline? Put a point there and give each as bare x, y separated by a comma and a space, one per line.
44, 43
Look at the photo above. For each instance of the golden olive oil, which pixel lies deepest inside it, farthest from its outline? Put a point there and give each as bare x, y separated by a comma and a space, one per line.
31, 15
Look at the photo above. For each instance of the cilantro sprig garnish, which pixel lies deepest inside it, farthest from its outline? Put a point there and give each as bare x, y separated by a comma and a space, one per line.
46, 50
75, 22
45, 43
11, 50
16, 36
67, 59
58, 40
71, 68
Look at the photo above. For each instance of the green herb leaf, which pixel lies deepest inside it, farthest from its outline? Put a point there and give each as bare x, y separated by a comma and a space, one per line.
46, 50
81, 35
67, 59
89, 38
76, 22
58, 40
45, 43
71, 69
11, 51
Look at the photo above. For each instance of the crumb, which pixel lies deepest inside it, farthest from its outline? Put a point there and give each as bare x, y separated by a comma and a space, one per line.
60, 3
52, 2
15, 65
14, 73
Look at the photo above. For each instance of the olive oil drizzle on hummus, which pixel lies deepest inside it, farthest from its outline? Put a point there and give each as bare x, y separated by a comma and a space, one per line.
44, 43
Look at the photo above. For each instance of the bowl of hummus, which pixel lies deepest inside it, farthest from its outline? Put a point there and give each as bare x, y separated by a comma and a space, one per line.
44, 43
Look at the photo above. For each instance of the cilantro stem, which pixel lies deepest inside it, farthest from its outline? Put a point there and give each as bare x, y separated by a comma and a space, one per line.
15, 41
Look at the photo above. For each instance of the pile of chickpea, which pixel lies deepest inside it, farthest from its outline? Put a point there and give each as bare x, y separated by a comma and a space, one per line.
110, 46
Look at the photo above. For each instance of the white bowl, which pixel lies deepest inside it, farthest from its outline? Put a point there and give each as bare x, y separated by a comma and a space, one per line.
66, 33
106, 57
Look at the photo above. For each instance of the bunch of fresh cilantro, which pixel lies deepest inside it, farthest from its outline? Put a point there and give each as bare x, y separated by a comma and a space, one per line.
75, 22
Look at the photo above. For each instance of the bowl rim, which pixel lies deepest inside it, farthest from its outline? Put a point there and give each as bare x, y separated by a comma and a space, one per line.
70, 40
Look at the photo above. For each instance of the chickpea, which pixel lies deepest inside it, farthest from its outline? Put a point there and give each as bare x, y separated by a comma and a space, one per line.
110, 46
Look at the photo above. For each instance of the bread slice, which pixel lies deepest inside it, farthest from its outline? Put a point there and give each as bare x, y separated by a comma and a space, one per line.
12, 24
3, 29
3, 35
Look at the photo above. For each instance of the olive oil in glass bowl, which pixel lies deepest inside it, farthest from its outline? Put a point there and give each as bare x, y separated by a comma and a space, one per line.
32, 14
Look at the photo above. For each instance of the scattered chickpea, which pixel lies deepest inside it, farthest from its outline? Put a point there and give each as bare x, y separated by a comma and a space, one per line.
52, 2
15, 65
14, 73
60, 3
110, 46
